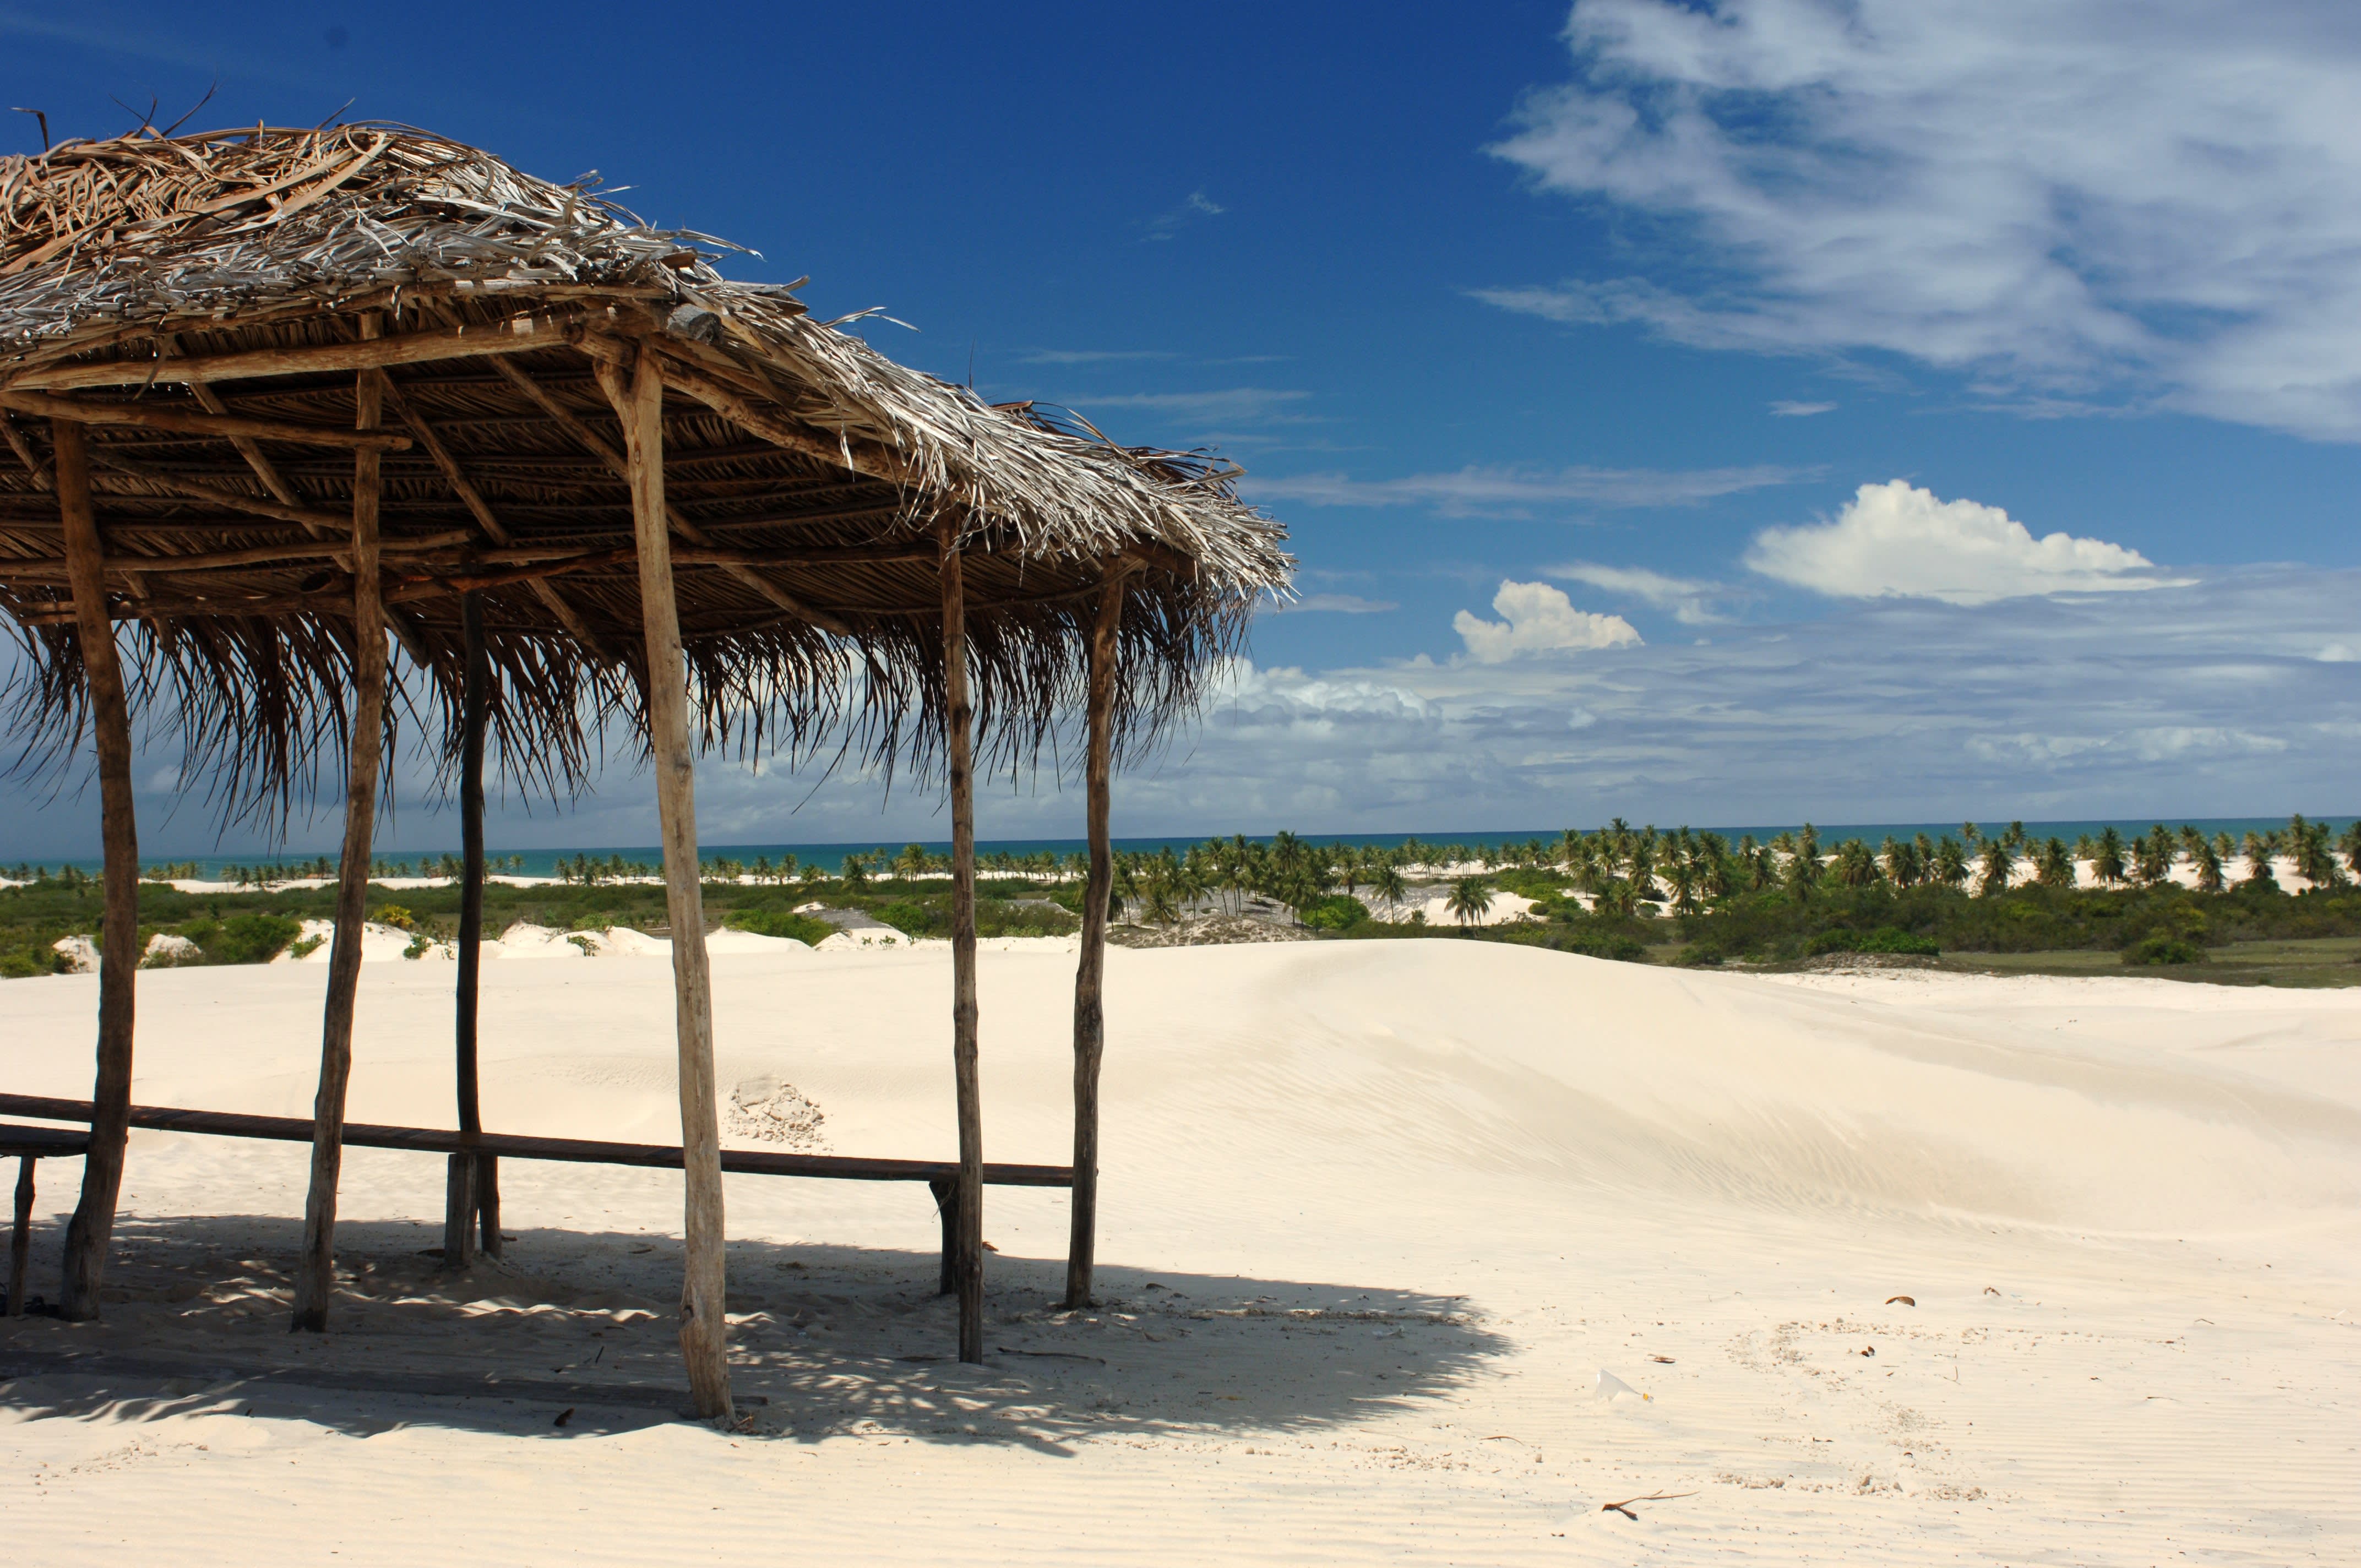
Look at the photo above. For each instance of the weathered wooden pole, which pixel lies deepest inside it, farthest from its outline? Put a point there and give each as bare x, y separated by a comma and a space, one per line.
91, 1229
1090, 972
460, 1183
959, 717
315, 1274
20, 1236
704, 1325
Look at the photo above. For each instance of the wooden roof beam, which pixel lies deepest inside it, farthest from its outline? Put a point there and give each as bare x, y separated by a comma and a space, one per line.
481, 510
591, 441
520, 335
148, 416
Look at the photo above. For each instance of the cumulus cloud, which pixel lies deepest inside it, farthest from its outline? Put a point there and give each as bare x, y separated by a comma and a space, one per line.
2158, 199
1517, 491
1540, 619
1896, 540
1689, 601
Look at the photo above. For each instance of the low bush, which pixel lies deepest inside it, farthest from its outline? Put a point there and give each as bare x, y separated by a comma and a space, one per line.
2163, 949
785, 923
243, 938
1336, 912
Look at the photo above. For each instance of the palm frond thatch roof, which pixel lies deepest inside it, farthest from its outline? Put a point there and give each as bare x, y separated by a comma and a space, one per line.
204, 303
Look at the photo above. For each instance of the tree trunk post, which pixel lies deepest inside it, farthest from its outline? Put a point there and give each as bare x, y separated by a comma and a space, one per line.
959, 717
315, 1275
703, 1323
20, 1236
91, 1229
1090, 972
459, 1196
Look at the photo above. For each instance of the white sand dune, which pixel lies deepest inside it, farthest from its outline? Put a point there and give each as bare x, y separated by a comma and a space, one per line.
1377, 1217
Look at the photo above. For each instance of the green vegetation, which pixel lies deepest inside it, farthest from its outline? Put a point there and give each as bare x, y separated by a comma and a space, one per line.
1978, 900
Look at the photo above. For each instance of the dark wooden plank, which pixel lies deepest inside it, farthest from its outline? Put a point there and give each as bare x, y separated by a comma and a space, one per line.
43, 1143
579, 1151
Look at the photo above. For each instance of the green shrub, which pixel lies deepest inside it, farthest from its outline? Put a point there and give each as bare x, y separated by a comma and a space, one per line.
785, 923
395, 915
1884, 939
1333, 912
24, 963
1604, 945
1889, 940
2163, 949
243, 938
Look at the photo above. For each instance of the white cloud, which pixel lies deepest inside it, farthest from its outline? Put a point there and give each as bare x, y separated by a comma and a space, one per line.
2337, 653
2161, 199
1896, 540
1337, 604
1237, 404
1689, 601
1518, 491
1091, 356
1787, 407
1540, 620
1196, 207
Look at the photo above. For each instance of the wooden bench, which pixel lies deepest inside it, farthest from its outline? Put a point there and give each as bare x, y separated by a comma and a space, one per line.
939, 1175
31, 1145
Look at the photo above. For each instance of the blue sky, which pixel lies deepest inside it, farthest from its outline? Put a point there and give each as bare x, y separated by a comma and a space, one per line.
1655, 392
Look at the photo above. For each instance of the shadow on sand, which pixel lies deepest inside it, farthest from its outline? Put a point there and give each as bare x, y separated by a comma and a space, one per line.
571, 1335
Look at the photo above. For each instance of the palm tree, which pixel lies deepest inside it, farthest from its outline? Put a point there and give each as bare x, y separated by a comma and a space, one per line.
1996, 867
1719, 873
1855, 866
2205, 860
2107, 857
912, 862
1470, 901
1803, 864
1681, 881
2315, 861
855, 872
1387, 883
2054, 866
1948, 865
1969, 834
2260, 848
2349, 846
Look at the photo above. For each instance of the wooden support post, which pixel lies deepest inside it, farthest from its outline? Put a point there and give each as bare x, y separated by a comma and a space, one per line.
959, 717
704, 1325
460, 1200
947, 1211
1090, 973
20, 1236
92, 1229
315, 1275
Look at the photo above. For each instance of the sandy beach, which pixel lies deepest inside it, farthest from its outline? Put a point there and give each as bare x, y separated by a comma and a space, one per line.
1377, 1217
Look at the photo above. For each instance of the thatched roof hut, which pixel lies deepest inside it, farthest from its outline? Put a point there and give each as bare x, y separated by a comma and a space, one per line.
200, 279
269, 395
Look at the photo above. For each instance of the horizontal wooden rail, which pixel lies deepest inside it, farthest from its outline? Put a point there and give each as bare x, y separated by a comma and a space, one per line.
517, 335
43, 1143
510, 1145
157, 417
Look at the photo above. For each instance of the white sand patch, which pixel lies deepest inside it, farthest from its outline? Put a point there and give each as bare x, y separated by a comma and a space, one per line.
1376, 1216
1502, 908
